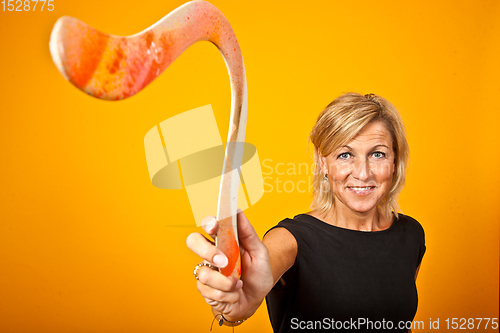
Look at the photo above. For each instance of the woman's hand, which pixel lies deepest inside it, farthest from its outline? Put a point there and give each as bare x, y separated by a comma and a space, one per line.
236, 299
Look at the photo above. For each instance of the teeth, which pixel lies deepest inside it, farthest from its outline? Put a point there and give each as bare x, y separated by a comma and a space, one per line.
361, 188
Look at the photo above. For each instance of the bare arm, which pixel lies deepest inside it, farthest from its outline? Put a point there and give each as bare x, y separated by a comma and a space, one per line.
282, 248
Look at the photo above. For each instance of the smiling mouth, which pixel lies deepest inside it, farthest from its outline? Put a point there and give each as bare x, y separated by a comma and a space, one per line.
361, 189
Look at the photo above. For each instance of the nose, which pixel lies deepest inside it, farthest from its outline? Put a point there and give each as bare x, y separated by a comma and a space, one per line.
361, 170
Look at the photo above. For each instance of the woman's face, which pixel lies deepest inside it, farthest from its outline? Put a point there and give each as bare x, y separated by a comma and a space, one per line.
360, 173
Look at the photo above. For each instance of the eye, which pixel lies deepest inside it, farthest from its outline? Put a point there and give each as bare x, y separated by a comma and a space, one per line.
378, 154
344, 156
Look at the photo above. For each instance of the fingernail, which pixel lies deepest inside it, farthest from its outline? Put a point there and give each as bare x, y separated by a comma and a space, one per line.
209, 223
220, 260
239, 284
238, 211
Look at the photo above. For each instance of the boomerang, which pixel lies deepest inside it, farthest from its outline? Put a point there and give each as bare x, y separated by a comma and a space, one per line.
113, 67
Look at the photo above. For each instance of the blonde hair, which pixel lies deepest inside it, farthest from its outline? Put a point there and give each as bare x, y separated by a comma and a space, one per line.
338, 124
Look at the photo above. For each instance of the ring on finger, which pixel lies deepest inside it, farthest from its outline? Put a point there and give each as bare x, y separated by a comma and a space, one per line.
195, 272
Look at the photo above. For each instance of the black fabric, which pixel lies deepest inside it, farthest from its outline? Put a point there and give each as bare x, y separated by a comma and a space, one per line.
348, 276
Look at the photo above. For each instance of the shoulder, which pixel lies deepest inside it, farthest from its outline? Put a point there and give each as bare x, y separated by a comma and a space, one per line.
301, 229
410, 224
290, 231
284, 231
280, 240
300, 226
415, 233
409, 221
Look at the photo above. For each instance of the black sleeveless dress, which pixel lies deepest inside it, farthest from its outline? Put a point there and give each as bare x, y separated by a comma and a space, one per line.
348, 280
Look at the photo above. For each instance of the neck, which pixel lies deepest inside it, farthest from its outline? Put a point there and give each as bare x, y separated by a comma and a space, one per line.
344, 217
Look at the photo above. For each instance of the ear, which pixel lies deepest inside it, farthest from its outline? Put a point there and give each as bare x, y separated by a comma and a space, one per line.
322, 163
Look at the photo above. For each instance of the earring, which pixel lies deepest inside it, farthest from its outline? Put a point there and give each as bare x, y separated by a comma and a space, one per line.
325, 178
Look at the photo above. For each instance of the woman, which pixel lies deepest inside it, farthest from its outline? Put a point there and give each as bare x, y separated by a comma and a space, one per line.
350, 263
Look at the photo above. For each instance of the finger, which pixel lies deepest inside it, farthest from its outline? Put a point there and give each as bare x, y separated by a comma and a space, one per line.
211, 302
217, 295
220, 307
197, 243
210, 226
249, 239
216, 280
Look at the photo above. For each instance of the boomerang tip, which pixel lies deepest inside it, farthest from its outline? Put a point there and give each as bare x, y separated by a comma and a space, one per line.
56, 45
77, 50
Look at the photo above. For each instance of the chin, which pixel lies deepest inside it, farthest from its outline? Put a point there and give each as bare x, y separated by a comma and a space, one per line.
362, 211
363, 208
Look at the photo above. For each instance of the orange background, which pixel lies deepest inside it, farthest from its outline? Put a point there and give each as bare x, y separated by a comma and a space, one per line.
87, 244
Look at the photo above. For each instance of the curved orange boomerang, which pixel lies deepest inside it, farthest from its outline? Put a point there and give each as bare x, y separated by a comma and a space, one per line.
116, 67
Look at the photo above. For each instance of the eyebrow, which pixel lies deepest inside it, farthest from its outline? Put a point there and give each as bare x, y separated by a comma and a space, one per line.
374, 147
380, 146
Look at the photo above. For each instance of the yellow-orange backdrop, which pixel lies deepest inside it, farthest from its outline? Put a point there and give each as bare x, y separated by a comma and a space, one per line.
87, 244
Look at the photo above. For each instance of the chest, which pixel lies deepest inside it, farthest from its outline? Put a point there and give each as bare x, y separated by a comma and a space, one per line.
357, 277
